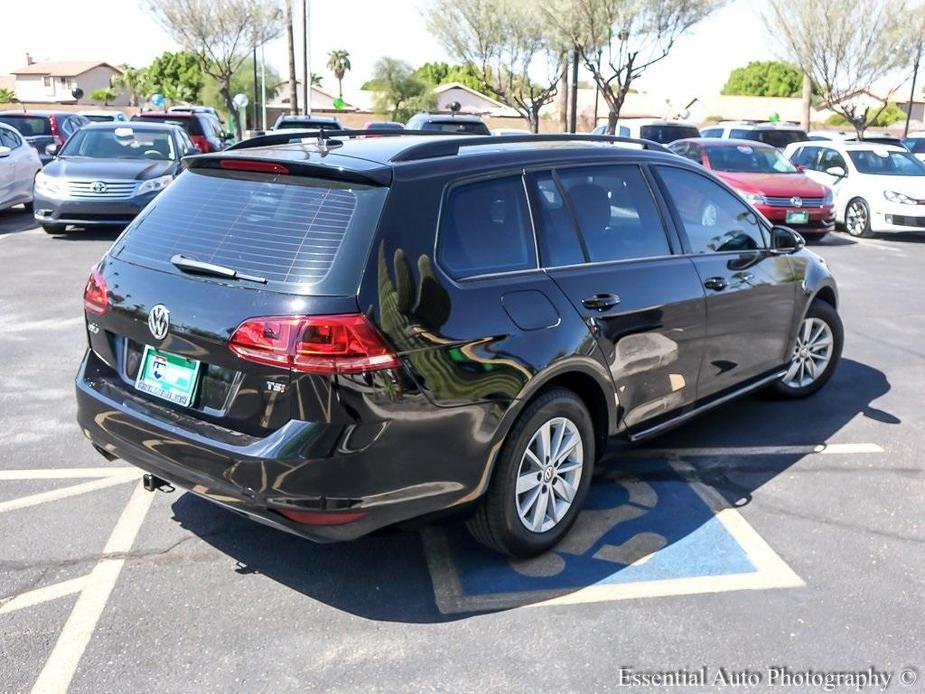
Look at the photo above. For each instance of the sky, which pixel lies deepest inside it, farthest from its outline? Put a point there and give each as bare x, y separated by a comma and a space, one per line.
120, 31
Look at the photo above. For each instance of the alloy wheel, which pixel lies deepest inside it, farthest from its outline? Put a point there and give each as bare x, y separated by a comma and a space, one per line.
549, 475
811, 355
856, 218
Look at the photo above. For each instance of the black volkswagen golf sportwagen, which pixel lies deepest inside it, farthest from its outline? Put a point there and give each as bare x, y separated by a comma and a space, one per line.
336, 334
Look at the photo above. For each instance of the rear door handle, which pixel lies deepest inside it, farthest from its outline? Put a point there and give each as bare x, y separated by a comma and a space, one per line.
601, 301
716, 283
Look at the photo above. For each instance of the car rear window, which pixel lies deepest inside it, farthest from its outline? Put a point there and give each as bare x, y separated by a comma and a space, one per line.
667, 133
28, 125
450, 126
189, 124
775, 138
304, 235
308, 125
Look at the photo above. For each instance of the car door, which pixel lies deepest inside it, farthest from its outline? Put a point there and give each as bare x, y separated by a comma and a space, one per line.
603, 240
8, 169
750, 292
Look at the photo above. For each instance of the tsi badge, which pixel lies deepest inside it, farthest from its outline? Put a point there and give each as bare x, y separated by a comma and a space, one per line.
159, 321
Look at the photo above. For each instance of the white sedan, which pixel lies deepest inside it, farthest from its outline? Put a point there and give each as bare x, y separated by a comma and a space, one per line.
876, 187
19, 163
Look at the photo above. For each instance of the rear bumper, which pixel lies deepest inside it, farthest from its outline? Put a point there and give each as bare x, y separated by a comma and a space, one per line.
387, 471
89, 212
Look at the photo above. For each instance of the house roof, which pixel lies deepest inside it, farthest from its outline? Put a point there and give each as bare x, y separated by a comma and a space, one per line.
62, 68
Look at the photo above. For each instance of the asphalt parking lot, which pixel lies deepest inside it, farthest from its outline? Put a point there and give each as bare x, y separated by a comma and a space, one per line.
765, 534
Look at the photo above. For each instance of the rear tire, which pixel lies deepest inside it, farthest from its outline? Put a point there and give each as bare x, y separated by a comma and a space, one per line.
857, 218
547, 459
816, 354
54, 228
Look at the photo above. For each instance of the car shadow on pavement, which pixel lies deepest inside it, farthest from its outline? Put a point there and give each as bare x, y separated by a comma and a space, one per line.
13, 221
90, 234
385, 576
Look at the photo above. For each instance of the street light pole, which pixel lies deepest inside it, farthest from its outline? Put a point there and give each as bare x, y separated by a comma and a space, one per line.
307, 78
915, 74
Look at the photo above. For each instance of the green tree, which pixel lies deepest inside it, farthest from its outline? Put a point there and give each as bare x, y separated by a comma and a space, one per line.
133, 82
104, 95
398, 92
888, 116
7, 96
242, 82
339, 64
765, 78
178, 76
437, 73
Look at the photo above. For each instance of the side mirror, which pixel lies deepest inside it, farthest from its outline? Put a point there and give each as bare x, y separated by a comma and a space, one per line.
801, 168
785, 240
836, 171
5, 152
51, 150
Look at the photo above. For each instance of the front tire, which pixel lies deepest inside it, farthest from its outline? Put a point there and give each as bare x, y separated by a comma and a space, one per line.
816, 353
541, 477
857, 219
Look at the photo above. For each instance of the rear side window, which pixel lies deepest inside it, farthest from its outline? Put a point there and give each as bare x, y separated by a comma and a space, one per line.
28, 125
615, 211
485, 228
304, 235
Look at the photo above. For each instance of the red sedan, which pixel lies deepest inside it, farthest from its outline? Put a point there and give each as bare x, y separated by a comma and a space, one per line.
764, 177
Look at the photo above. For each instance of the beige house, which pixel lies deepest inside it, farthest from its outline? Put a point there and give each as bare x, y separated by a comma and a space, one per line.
53, 82
471, 101
321, 100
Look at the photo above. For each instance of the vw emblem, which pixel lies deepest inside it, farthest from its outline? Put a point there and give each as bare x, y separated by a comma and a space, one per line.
98, 187
159, 321
796, 202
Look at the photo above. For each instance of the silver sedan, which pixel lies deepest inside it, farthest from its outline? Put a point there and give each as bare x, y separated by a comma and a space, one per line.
19, 163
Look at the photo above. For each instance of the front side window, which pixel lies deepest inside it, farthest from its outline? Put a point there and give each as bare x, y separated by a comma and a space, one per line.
806, 157
615, 211
485, 228
713, 218
831, 158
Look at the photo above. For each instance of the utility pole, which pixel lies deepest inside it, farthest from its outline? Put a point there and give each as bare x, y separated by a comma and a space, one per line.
293, 83
915, 74
306, 75
256, 120
573, 111
263, 88
807, 100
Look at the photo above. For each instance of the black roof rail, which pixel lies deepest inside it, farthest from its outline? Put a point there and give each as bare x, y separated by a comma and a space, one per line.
322, 134
448, 148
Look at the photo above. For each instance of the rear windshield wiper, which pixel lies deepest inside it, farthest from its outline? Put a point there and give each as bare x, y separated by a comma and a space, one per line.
201, 268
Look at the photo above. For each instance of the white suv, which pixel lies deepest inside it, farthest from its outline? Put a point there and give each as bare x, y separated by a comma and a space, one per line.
655, 129
774, 134
876, 187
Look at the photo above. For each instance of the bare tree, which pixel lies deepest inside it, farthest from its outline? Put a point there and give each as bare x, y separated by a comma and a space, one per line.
222, 32
508, 44
618, 40
849, 48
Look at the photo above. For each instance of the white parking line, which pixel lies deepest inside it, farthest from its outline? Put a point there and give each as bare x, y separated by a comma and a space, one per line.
64, 473
881, 246
65, 492
817, 449
56, 676
40, 595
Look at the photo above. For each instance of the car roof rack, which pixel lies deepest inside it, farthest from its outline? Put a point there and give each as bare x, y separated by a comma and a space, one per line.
444, 147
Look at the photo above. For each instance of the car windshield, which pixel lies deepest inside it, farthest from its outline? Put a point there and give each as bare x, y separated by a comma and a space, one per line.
885, 162
455, 126
121, 143
775, 138
748, 159
667, 133
28, 125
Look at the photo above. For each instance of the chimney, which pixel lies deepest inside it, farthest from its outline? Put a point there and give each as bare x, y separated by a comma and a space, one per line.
29, 59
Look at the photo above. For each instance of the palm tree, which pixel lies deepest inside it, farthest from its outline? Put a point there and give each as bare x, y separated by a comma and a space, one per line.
7, 96
339, 64
133, 81
316, 80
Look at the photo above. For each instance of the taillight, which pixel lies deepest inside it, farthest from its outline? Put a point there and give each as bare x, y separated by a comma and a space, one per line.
55, 132
245, 165
202, 142
95, 300
314, 344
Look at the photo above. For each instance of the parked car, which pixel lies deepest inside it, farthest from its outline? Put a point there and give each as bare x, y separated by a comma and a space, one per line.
389, 329
18, 164
288, 122
382, 125
775, 134
876, 187
43, 128
464, 124
654, 129
845, 136
104, 116
107, 172
192, 108
767, 180
202, 128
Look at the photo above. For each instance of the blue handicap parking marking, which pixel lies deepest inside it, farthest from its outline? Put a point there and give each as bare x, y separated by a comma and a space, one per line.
660, 532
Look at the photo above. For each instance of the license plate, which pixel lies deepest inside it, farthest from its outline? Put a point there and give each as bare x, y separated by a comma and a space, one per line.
168, 376
794, 217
